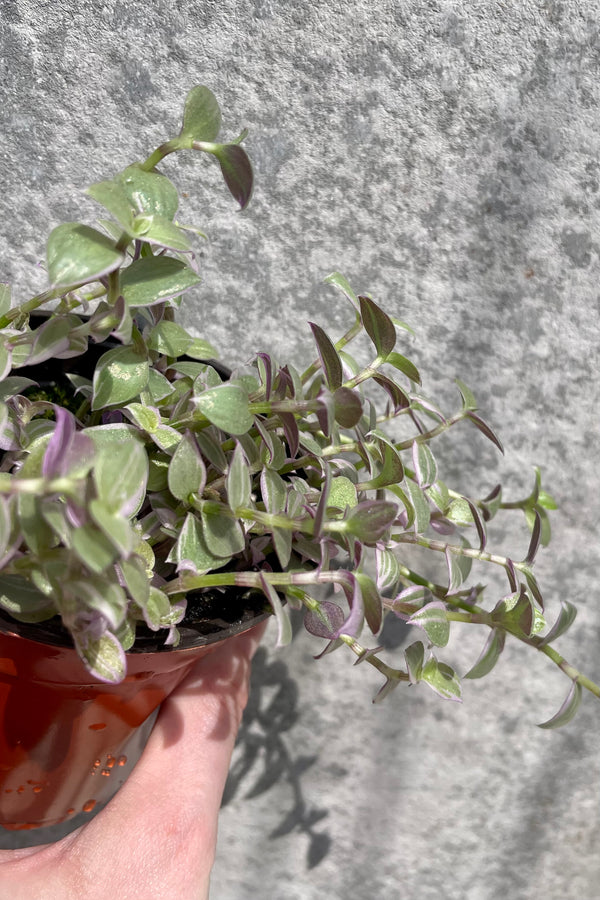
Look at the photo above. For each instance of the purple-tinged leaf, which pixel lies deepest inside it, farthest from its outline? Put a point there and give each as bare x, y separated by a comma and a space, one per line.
284, 627
427, 406
433, 620
424, 463
398, 397
479, 524
534, 543
405, 366
354, 623
565, 619
328, 355
370, 520
414, 656
442, 525
348, 407
378, 326
413, 598
291, 432
237, 172
489, 655
372, 604
491, 503
59, 443
324, 622
267, 440
485, 429
265, 369
442, 679
512, 576
568, 708
533, 586
326, 411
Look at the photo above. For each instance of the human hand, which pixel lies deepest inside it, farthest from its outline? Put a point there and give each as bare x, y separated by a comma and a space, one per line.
157, 836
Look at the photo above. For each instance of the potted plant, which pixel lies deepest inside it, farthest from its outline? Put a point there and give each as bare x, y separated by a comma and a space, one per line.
153, 502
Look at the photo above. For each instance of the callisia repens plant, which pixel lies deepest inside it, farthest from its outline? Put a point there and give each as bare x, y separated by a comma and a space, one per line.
155, 475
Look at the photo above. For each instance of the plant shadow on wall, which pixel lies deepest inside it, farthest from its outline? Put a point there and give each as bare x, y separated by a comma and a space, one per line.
263, 759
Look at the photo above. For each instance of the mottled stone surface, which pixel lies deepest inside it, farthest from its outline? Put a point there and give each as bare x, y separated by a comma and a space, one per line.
444, 156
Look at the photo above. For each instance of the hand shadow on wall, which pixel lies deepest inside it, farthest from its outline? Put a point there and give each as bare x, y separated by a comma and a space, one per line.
262, 758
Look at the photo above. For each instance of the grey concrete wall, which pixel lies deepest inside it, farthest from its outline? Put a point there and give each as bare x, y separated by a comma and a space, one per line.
444, 156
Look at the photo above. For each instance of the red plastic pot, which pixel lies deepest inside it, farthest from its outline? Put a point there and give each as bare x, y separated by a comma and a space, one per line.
67, 742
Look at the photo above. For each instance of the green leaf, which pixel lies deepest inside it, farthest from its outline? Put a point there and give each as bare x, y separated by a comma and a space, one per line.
565, 619
339, 281
36, 532
378, 326
434, 622
200, 349
23, 601
388, 569
93, 548
169, 338
459, 568
77, 254
369, 520
148, 192
460, 513
390, 473
442, 679
342, 494
5, 300
114, 527
113, 198
192, 546
468, 399
515, 613
489, 655
405, 366
135, 578
238, 481
187, 472
284, 626
568, 708
328, 355
227, 407
222, 534
438, 494
145, 417
120, 476
274, 491
159, 231
120, 375
414, 656
156, 279
420, 506
103, 657
201, 115
425, 464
